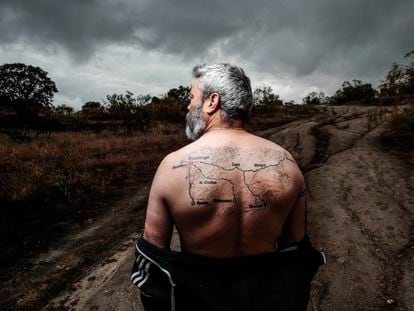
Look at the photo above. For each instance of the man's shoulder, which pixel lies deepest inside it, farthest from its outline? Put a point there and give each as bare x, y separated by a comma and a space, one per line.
187, 150
178, 155
278, 151
268, 144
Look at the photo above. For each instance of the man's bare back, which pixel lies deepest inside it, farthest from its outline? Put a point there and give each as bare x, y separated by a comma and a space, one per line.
229, 194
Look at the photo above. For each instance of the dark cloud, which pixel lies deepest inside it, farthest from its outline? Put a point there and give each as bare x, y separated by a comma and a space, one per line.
346, 39
304, 36
79, 26
83, 26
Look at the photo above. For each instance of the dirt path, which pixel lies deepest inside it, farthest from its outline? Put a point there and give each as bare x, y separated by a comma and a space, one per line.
100, 245
361, 206
107, 286
361, 202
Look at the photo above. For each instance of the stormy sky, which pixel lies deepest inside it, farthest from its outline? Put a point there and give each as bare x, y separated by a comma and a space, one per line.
92, 48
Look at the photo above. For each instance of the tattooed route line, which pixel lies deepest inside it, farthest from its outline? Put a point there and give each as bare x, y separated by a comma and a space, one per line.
235, 182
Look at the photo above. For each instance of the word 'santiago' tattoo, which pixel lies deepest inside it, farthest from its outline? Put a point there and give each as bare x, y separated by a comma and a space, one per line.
238, 178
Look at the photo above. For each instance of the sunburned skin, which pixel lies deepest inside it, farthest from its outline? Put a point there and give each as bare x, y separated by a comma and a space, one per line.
227, 198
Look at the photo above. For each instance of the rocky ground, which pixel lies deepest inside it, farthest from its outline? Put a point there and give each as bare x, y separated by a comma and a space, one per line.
361, 214
361, 208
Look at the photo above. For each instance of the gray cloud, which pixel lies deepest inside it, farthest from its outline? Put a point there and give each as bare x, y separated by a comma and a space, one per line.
340, 39
79, 26
304, 36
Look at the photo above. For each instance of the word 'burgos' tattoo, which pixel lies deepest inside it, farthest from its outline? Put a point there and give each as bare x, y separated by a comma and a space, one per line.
229, 176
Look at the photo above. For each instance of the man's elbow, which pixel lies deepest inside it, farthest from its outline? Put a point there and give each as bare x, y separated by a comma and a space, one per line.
157, 239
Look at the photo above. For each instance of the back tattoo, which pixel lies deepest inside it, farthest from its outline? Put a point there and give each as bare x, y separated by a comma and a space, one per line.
242, 179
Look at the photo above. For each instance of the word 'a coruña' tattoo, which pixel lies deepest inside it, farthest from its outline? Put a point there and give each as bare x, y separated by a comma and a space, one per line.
234, 177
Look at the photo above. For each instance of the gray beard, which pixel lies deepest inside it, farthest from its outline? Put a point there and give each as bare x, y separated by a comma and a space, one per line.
194, 124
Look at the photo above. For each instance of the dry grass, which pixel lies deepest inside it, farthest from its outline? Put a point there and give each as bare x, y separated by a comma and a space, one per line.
400, 127
49, 185
68, 167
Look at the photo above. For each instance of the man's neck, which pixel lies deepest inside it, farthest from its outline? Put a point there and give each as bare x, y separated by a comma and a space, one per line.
221, 125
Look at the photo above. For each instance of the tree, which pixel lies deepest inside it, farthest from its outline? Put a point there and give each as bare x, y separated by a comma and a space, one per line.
93, 110
353, 91
131, 110
168, 109
265, 101
399, 80
91, 104
264, 96
394, 81
409, 72
314, 98
64, 110
25, 89
181, 94
25, 92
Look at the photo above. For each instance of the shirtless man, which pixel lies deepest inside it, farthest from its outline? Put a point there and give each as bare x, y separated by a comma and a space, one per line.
238, 202
229, 193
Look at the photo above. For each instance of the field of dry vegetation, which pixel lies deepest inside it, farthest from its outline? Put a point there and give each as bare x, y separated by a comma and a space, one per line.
51, 182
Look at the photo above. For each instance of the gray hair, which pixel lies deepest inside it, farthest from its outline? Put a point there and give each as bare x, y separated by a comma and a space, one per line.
231, 83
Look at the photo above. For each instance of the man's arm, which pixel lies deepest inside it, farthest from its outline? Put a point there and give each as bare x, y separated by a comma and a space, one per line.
294, 228
159, 222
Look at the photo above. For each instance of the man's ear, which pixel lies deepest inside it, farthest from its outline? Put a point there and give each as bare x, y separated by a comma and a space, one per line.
213, 103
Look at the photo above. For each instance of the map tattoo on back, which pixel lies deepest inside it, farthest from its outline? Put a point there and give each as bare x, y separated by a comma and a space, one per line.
243, 179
